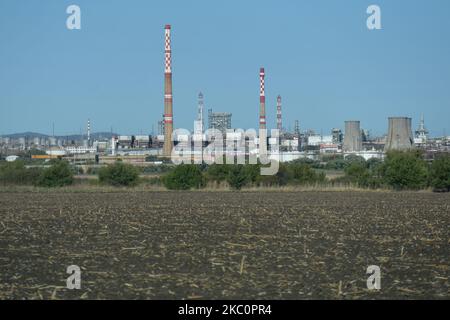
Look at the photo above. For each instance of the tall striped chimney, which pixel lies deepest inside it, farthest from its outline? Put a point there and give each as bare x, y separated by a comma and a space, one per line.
168, 102
262, 113
88, 133
279, 121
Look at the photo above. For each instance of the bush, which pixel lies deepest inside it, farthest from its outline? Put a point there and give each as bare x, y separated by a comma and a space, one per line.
58, 175
336, 164
440, 174
281, 178
16, 173
351, 159
119, 174
405, 170
362, 176
374, 164
302, 173
238, 177
184, 177
217, 172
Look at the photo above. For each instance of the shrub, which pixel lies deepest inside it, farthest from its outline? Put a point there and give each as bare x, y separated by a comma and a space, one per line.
16, 173
374, 164
253, 172
58, 175
184, 177
281, 178
405, 170
352, 159
217, 172
440, 174
238, 177
302, 173
357, 173
336, 164
119, 174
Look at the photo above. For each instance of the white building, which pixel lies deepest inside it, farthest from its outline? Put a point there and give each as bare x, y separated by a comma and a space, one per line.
317, 140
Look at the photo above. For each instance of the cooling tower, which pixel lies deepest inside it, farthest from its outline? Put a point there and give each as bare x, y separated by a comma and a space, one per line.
352, 138
399, 134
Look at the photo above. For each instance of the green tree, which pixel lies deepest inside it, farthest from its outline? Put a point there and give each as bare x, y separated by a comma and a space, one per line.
184, 177
217, 172
302, 173
374, 164
405, 170
352, 159
58, 175
119, 174
358, 173
281, 178
238, 177
336, 164
253, 172
440, 173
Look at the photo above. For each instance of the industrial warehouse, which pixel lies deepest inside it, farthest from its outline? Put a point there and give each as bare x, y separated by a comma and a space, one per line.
105, 148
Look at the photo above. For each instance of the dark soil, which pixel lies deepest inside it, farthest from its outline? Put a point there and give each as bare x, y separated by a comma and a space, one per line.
212, 245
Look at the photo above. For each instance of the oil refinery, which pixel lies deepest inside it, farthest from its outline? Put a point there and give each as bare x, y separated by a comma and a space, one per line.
139, 148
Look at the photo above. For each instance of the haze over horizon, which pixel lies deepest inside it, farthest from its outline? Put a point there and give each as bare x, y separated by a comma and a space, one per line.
318, 55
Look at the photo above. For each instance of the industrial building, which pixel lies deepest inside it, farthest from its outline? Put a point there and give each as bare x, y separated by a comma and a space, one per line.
421, 136
219, 120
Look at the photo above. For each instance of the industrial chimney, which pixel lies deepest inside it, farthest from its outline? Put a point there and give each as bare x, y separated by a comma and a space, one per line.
168, 107
200, 112
262, 113
352, 138
399, 134
279, 119
88, 133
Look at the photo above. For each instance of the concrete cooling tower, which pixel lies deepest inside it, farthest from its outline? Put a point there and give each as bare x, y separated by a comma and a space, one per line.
399, 134
352, 138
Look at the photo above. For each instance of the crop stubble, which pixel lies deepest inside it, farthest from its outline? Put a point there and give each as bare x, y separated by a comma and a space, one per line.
200, 245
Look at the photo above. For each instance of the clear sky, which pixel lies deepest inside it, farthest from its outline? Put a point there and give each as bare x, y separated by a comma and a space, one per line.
318, 54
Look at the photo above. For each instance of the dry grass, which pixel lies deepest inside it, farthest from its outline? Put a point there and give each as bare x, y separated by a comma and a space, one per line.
210, 187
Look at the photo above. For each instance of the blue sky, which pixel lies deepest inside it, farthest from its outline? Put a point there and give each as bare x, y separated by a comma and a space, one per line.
318, 54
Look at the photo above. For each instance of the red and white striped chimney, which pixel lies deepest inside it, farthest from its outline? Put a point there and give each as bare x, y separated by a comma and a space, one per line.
262, 100
168, 101
262, 112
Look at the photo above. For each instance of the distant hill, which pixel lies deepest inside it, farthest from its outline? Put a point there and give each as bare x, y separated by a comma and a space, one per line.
94, 136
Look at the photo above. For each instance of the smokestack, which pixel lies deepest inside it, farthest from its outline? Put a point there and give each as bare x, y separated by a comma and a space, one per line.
200, 112
168, 102
279, 121
399, 134
89, 132
352, 138
262, 113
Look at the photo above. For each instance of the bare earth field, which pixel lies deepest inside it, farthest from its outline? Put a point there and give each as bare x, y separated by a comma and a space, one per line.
224, 245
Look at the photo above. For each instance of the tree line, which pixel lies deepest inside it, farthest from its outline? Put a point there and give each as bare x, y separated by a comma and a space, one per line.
398, 171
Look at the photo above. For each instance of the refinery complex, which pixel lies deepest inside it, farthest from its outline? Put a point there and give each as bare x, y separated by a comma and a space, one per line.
290, 144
